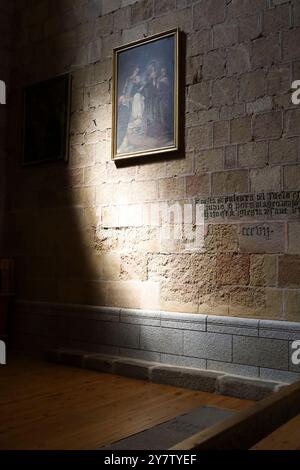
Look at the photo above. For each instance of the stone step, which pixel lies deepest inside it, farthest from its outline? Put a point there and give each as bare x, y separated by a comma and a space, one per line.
183, 377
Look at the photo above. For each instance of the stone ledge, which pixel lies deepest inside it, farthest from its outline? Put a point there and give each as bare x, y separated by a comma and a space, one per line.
233, 326
250, 389
238, 326
183, 377
99, 362
134, 368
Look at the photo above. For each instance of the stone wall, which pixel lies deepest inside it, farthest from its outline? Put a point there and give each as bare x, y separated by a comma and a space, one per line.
76, 230
261, 349
6, 20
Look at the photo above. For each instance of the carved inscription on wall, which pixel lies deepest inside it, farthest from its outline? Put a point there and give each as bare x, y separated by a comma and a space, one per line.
262, 238
270, 205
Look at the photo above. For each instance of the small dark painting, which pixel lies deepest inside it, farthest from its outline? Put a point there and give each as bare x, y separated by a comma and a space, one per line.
46, 121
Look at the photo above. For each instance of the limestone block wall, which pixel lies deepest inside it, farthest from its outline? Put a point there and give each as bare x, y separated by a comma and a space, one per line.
84, 232
6, 20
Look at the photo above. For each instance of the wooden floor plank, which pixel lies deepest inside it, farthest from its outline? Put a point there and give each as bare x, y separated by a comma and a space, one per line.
287, 437
49, 406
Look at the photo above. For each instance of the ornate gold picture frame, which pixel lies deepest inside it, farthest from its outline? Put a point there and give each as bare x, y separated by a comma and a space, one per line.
146, 97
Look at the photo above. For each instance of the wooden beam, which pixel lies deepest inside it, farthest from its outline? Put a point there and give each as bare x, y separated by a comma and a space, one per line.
287, 437
250, 426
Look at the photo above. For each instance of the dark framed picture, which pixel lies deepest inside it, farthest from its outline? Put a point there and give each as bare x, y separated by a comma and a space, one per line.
46, 121
145, 97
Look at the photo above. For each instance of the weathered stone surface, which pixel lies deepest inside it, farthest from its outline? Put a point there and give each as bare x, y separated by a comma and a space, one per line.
233, 369
233, 269
283, 151
279, 330
221, 238
134, 267
166, 340
238, 59
181, 19
198, 96
185, 378
240, 130
230, 158
234, 326
268, 125
100, 362
292, 305
171, 188
199, 42
250, 301
200, 137
265, 179
229, 182
216, 302
221, 133
289, 271
266, 51
294, 238
133, 368
269, 353
276, 19
263, 270
184, 321
209, 12
209, 160
260, 105
225, 34
262, 238
214, 65
249, 389
178, 297
291, 44
139, 354
208, 345
250, 27
140, 317
278, 79
252, 154
291, 175
278, 376
197, 185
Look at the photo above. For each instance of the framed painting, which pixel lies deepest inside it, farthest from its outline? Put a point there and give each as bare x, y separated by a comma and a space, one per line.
145, 97
46, 121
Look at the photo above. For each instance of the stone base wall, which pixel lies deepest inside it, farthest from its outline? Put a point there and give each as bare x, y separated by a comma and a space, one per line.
246, 347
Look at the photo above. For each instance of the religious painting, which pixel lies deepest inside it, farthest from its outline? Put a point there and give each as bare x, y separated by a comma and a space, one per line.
145, 97
46, 121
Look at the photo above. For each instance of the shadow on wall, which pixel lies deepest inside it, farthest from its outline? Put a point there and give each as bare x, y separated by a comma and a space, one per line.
51, 216
65, 249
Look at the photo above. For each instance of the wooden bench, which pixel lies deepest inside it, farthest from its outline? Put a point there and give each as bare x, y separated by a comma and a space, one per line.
247, 428
287, 437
